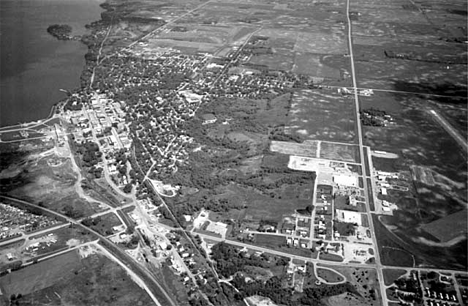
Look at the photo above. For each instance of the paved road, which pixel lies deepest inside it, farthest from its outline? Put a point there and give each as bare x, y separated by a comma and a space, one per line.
26, 236
143, 270
450, 129
361, 153
164, 27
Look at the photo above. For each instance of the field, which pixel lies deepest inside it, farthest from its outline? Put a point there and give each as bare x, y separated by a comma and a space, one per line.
397, 249
448, 228
41, 275
71, 279
329, 276
287, 199
278, 243
340, 152
365, 281
330, 257
391, 275
65, 237
270, 240
51, 186
308, 148
103, 224
432, 72
321, 114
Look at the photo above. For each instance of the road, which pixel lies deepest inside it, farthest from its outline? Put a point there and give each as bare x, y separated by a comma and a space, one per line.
141, 269
378, 263
32, 234
450, 129
164, 27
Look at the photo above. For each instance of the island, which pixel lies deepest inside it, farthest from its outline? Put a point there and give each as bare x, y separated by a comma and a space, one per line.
60, 31
246, 153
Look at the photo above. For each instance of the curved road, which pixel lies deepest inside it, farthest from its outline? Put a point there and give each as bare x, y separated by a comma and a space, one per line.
96, 234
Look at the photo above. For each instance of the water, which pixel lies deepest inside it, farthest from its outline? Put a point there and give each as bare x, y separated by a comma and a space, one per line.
34, 65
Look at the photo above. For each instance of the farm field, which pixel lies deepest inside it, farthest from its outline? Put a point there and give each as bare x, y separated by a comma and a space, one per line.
322, 114
75, 278
398, 248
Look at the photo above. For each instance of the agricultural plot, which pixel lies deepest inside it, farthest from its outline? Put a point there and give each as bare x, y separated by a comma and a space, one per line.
321, 115
339, 151
279, 60
400, 75
448, 228
403, 246
333, 42
437, 193
89, 279
41, 275
312, 64
308, 148
262, 207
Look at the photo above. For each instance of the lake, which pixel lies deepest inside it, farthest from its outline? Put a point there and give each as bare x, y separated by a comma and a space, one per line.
35, 65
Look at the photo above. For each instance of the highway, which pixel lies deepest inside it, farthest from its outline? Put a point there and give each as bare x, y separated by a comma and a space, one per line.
378, 263
139, 268
450, 129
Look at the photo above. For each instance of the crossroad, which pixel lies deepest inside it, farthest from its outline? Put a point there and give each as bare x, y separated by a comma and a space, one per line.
361, 153
141, 269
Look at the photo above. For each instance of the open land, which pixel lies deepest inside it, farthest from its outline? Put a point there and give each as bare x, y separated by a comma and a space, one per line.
228, 151
71, 278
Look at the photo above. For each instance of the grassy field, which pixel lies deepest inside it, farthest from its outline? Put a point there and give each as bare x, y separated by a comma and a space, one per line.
329, 275
104, 224
69, 279
53, 187
364, 281
263, 207
391, 275
449, 227
270, 240
41, 275
330, 257
338, 151
312, 64
321, 115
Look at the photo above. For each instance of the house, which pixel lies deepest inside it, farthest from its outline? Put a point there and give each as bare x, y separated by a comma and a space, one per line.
288, 228
209, 119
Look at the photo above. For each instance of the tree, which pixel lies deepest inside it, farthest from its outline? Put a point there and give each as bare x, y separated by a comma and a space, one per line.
127, 188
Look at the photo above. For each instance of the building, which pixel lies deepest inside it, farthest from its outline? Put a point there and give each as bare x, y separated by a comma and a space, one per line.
348, 216
209, 119
346, 180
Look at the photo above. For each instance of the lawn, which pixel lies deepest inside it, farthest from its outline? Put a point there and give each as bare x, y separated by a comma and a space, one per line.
390, 275
330, 257
271, 241
328, 275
